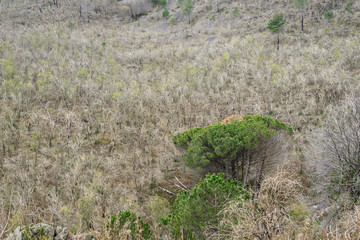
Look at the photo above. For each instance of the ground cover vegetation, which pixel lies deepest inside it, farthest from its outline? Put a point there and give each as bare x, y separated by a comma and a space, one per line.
114, 118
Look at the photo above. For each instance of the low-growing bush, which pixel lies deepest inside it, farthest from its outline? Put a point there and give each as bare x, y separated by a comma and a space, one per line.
199, 208
125, 225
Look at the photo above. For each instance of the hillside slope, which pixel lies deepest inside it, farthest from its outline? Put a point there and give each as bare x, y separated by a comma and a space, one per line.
89, 105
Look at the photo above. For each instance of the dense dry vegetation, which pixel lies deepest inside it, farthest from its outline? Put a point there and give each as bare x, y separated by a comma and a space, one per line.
91, 96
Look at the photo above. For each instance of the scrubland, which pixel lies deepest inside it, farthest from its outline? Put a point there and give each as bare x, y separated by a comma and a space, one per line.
88, 106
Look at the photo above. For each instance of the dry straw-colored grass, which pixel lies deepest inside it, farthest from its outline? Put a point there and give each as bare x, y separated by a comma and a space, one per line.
267, 215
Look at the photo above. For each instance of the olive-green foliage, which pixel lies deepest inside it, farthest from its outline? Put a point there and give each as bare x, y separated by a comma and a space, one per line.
328, 14
159, 207
188, 6
199, 208
299, 212
165, 13
128, 221
220, 143
349, 6
299, 3
160, 2
236, 12
276, 22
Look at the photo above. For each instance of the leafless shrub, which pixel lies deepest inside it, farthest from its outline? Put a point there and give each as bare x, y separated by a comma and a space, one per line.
336, 149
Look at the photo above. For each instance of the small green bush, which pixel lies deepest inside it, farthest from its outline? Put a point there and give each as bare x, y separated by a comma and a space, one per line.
165, 13
328, 14
236, 12
128, 221
349, 6
199, 208
276, 22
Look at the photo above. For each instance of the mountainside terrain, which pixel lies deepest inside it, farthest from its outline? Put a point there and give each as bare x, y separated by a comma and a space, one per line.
92, 93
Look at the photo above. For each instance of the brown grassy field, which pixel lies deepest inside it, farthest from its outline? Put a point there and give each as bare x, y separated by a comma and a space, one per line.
89, 105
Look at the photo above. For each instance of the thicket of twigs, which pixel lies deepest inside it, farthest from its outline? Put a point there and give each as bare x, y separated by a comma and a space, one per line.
88, 108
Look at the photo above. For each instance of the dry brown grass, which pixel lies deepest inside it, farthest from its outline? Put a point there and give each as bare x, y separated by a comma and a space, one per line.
267, 215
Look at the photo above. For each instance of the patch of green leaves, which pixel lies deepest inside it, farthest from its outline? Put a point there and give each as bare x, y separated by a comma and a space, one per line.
198, 208
128, 221
220, 142
276, 23
328, 14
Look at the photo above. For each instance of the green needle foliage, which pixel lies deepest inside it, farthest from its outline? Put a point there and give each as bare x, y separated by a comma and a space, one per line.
276, 23
226, 147
128, 221
165, 13
349, 6
187, 7
199, 208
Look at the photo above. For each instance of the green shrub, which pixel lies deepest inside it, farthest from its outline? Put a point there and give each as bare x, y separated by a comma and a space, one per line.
123, 221
349, 6
226, 147
165, 13
236, 12
328, 14
276, 22
275, 25
199, 208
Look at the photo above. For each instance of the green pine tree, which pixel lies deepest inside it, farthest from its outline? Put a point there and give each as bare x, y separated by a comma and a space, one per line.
165, 13
188, 6
275, 25
227, 147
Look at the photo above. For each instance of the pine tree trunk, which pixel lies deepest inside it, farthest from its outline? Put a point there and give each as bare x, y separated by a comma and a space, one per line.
237, 169
247, 170
278, 42
242, 167
302, 22
261, 173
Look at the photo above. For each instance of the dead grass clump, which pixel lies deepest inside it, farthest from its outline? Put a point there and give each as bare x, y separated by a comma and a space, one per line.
266, 215
349, 225
230, 118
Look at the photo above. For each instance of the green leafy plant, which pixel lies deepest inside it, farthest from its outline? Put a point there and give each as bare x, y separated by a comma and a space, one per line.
118, 224
328, 14
71, 25
236, 12
275, 25
165, 13
187, 7
229, 146
162, 3
199, 208
349, 6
